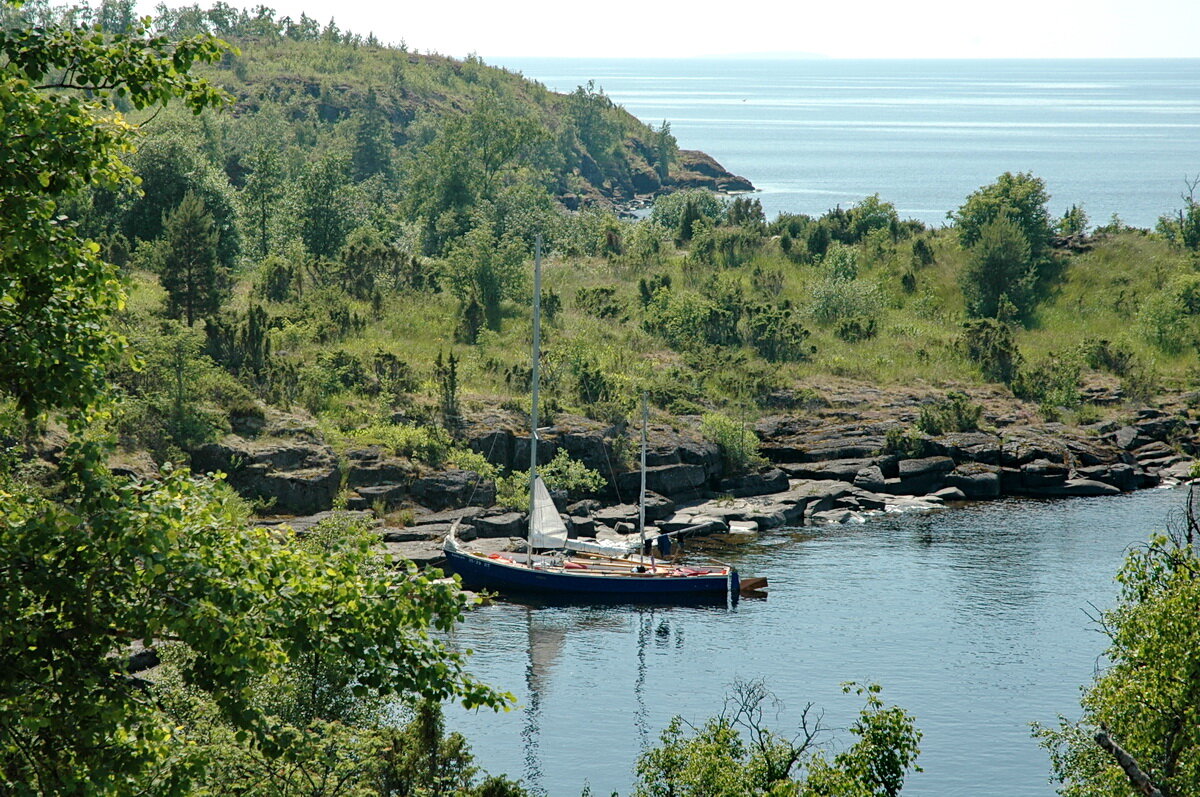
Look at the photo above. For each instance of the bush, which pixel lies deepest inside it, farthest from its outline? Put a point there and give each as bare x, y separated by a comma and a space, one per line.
776, 334
1104, 355
955, 413
909, 443
726, 247
600, 302
855, 330
999, 271
1053, 382
989, 344
560, 473
428, 444
669, 209
688, 320
739, 445
834, 299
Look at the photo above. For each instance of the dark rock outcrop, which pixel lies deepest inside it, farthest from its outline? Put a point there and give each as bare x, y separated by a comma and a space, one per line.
451, 489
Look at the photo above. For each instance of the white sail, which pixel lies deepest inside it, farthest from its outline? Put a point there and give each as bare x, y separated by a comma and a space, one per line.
546, 529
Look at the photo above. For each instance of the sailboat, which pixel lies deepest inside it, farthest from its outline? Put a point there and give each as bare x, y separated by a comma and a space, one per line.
588, 574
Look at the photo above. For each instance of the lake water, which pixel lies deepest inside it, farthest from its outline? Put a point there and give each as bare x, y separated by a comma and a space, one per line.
1116, 136
974, 619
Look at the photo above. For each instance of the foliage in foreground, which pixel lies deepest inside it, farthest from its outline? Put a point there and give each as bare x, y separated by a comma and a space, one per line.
1140, 729
735, 755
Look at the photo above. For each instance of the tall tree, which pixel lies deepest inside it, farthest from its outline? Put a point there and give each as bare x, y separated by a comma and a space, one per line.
1021, 197
102, 563
372, 150
56, 294
261, 194
170, 167
324, 213
191, 275
999, 277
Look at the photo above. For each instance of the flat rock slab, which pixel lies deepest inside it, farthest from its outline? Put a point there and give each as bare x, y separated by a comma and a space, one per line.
492, 545
302, 524
423, 553
466, 514
509, 524
430, 532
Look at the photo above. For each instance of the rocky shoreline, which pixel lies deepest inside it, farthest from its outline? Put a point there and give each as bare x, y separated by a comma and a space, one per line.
827, 463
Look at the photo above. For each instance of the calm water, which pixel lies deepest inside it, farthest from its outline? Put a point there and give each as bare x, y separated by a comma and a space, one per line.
1116, 136
973, 619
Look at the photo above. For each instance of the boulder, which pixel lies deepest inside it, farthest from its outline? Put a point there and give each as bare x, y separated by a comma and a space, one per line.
1153, 451
373, 465
453, 488
871, 479
496, 446
291, 475
1042, 473
1119, 474
389, 496
772, 481
1087, 487
612, 515
421, 553
507, 524
547, 448
950, 494
304, 523
467, 515
975, 480
432, 531
669, 480
968, 447
581, 526
1129, 438
920, 476
839, 469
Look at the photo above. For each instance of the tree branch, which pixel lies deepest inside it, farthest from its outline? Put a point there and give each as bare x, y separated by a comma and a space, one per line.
1141, 782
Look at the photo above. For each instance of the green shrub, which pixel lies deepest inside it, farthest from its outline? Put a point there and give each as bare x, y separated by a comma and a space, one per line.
600, 302
561, 473
777, 334
726, 247
955, 413
856, 329
908, 442
738, 444
1104, 355
1053, 382
989, 344
428, 444
835, 298
669, 209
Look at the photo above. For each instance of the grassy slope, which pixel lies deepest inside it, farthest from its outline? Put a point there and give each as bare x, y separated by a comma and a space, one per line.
1097, 296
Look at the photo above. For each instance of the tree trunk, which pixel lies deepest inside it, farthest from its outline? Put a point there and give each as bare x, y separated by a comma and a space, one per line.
1141, 782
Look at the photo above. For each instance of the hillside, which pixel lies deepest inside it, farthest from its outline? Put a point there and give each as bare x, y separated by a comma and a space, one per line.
358, 228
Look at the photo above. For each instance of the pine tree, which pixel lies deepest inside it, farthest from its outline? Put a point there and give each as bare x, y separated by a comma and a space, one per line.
372, 153
191, 272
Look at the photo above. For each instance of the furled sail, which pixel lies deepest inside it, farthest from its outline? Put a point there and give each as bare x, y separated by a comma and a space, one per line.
546, 529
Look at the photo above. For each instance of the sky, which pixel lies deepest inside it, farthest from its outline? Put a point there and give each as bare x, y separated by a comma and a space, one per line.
494, 29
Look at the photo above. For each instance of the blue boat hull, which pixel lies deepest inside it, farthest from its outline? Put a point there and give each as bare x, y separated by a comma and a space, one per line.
479, 572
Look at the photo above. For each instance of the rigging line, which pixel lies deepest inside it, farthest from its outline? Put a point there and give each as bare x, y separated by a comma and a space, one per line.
479, 476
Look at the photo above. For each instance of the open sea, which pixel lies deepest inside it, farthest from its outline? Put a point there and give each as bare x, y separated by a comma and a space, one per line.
1115, 136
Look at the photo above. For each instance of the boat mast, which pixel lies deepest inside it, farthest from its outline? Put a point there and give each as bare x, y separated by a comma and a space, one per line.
533, 413
642, 494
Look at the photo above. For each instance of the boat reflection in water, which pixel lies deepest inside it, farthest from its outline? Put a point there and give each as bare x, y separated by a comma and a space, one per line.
549, 629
